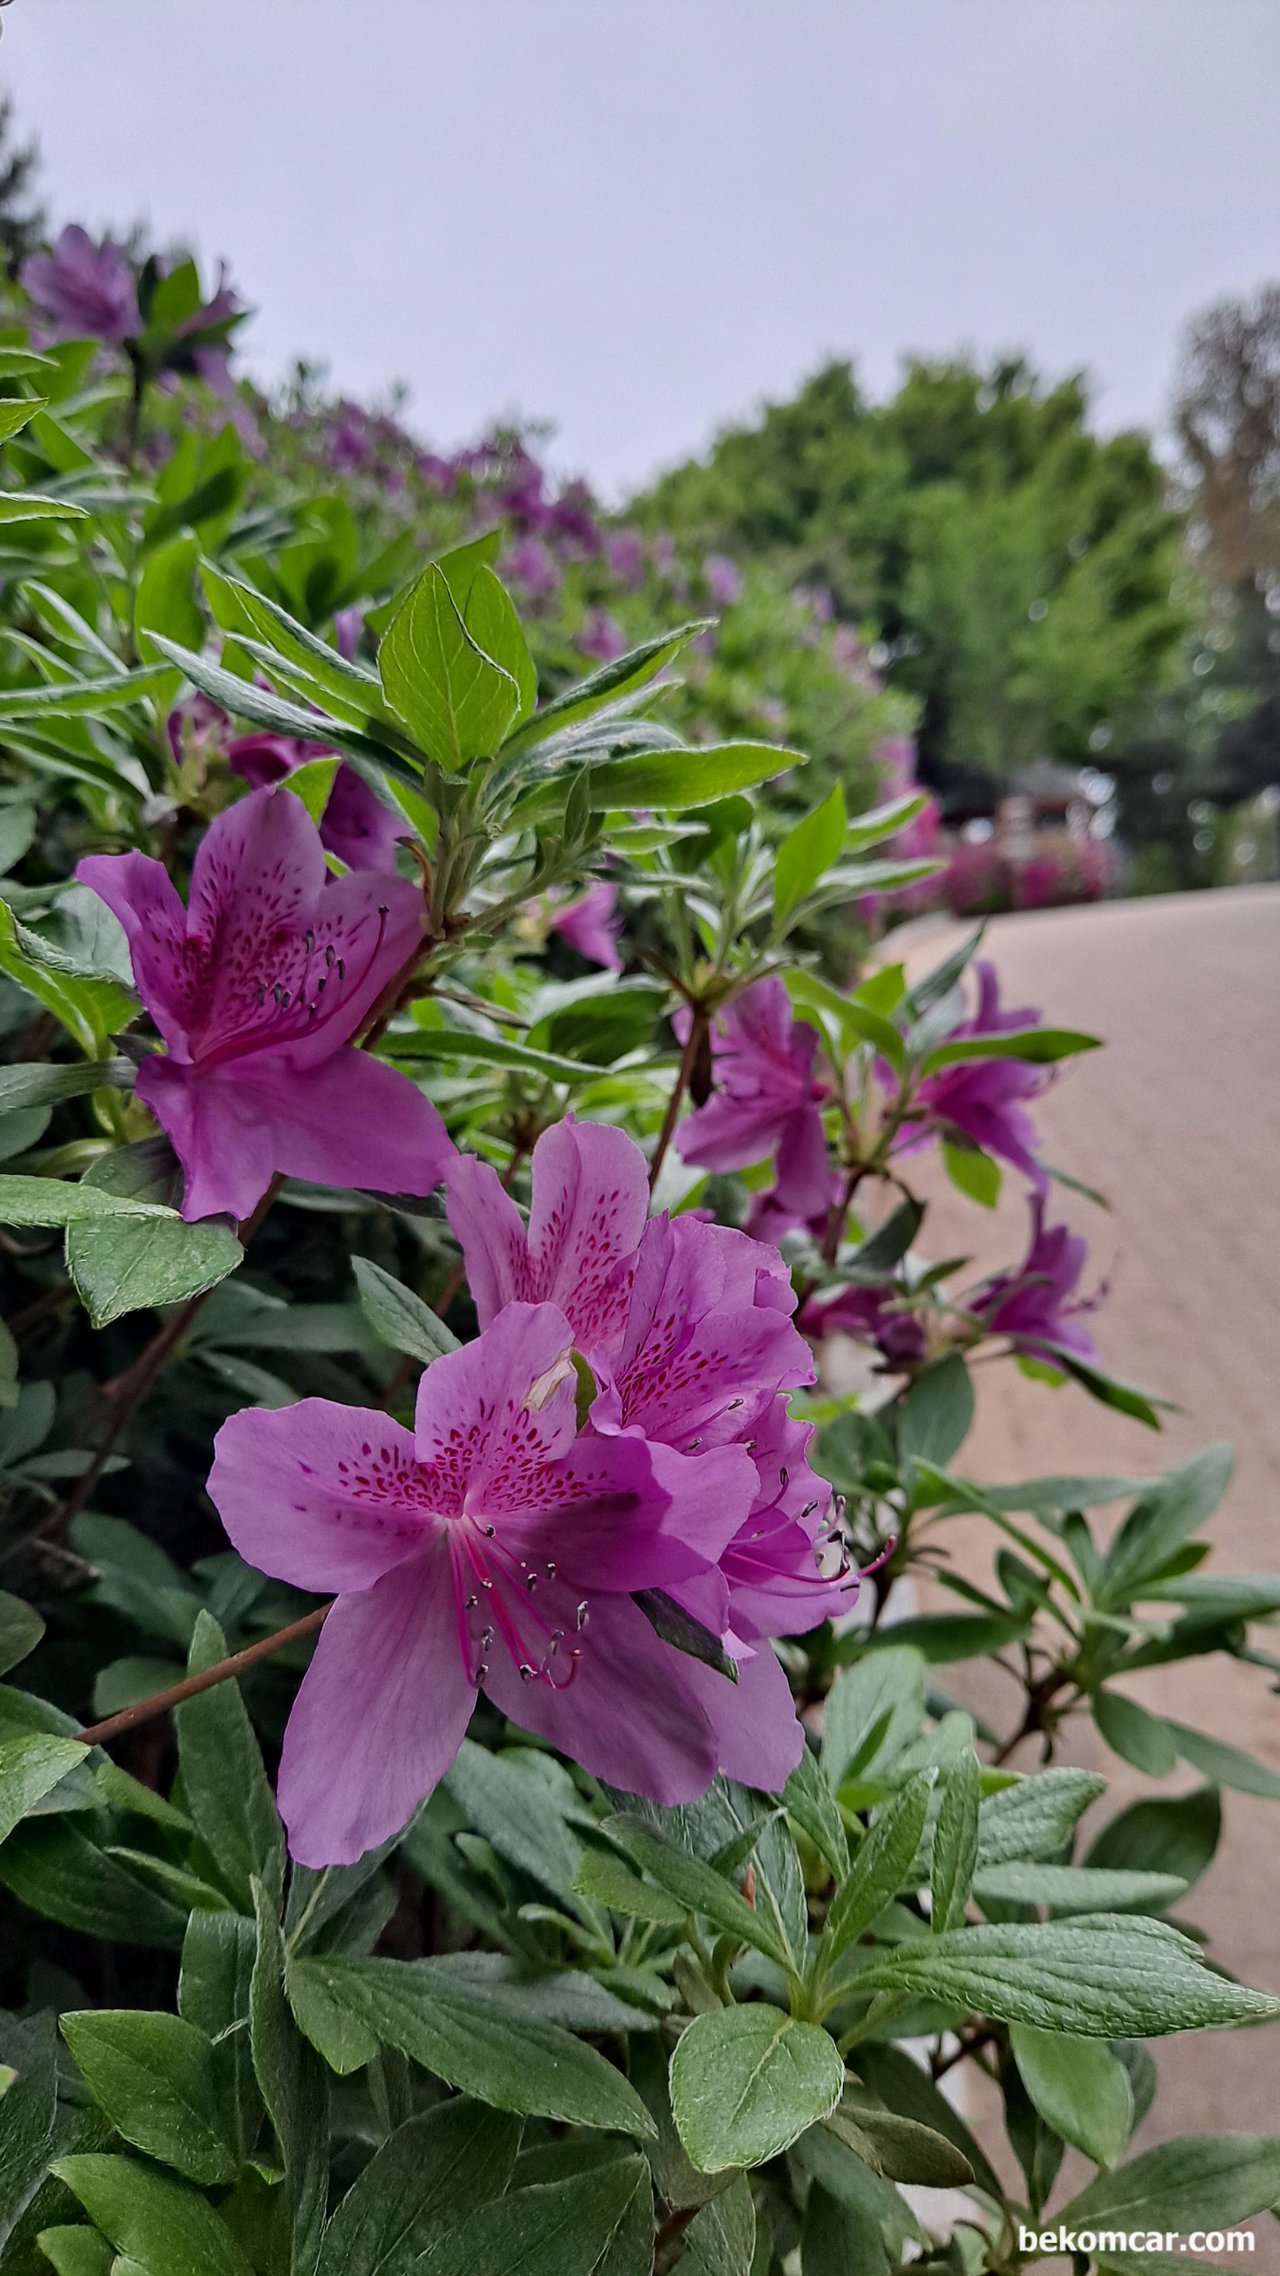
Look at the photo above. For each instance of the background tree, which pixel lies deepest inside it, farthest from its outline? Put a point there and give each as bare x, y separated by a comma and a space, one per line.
22, 219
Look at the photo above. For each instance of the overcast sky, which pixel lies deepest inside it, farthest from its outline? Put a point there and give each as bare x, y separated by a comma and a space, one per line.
636, 218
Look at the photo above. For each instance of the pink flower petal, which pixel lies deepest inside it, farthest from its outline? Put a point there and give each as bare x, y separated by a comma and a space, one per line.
321, 1495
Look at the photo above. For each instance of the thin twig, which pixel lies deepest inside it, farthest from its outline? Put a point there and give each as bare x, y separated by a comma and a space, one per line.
146, 1710
698, 1026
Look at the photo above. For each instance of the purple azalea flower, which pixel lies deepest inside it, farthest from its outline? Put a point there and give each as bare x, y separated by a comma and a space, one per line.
871, 1316
258, 988
348, 625
355, 825
723, 579
535, 567
1037, 1305
590, 925
86, 291
984, 1098
493, 1548
602, 637
624, 553
688, 1329
767, 1099
211, 359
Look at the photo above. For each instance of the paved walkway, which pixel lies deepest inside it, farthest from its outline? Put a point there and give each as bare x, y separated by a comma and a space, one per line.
1178, 1120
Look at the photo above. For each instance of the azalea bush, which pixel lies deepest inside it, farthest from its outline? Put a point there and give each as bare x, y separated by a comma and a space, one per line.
479, 1782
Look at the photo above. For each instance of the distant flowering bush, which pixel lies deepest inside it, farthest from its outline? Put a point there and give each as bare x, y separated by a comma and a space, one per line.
472, 1793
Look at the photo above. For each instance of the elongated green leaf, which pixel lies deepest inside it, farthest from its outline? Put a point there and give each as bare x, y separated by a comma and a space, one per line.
30, 506
43, 1084
121, 1265
70, 699
901, 2148
1165, 1517
955, 1844
158, 2224
90, 1004
1225, 1765
1038, 1045
454, 699
745, 2081
58, 1869
225, 1784
937, 1413
610, 684
1179, 1836
1036, 1816
1079, 1888
1194, 2181
879, 1868
474, 2038
513, 1810
353, 690
294, 2087
428, 2176
607, 1881
672, 781
398, 1318
29, 1768
721, 2240
155, 2078
246, 701
584, 2226
1110, 1976
903, 2086
20, 1630
342, 2038
462, 1044
1079, 2088
1135, 1734
810, 1802
698, 1887
872, 1713
807, 852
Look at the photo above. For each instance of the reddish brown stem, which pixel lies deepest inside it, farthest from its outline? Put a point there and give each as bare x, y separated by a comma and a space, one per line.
694, 1043
97, 1734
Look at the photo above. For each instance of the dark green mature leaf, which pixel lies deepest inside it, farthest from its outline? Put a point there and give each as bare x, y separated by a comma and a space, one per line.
901, 2148
1079, 2088
672, 781
399, 1318
1179, 1836
343, 2040
66, 699
936, 1415
721, 2239
943, 1637
810, 1802
1158, 1525
30, 1768
57, 1868
156, 2079
512, 1809
80, 2251
1078, 1888
50, 1201
226, 1787
955, 1843
604, 1878
609, 685
1036, 1816
456, 701
427, 2177
679, 1628
1135, 1734
20, 1630
598, 2223
905, 2088
837, 2241
158, 2224
28, 2108
1109, 1976
295, 2089
218, 1953
45, 1084
807, 852
879, 1868
89, 1003
698, 1886
120, 1265
1039, 1045
746, 2081
1225, 1765
873, 1711
1194, 2181
475, 2038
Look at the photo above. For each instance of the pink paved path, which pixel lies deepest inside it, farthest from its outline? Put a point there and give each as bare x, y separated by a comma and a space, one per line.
1178, 1120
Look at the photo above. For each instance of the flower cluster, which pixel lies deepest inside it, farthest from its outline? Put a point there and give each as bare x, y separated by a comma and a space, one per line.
499, 1546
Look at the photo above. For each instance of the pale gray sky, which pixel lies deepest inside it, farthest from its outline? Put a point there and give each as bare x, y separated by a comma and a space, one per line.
638, 217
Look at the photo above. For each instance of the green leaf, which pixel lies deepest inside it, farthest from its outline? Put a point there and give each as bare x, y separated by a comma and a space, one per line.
857, 1022
1225, 1765
1158, 1525
936, 1414
456, 1043
159, 2224
670, 1621
1036, 1816
427, 2177
904, 2087
1179, 1836
721, 2239
398, 1318
598, 2223
156, 2080
972, 1172
610, 684
71, 699
28, 2110
1125, 1398
942, 1637
474, 2038
810, 1802
746, 2081
901, 2148
1135, 1734
295, 2089
218, 1954
57, 1869
223, 1779
604, 1878
512, 1809
1078, 1888
1194, 2181
1040, 1046
78, 2251
20, 1630
490, 617
15, 412
43, 1084
671, 781
698, 1887
454, 699
244, 700
29, 506
955, 1844
121, 1266
807, 852
344, 2040
879, 1868
1110, 1976
1079, 2088
89, 1004
29, 1768
354, 692
836, 2240
50, 1201
873, 1712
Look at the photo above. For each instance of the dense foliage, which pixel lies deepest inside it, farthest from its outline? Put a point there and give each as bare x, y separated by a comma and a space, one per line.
474, 1384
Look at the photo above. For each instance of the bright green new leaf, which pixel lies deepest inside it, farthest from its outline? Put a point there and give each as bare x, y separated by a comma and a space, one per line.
807, 852
398, 1318
454, 699
671, 781
1040, 1046
91, 1005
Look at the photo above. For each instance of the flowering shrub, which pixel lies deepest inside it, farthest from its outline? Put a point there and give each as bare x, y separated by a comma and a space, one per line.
468, 1797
